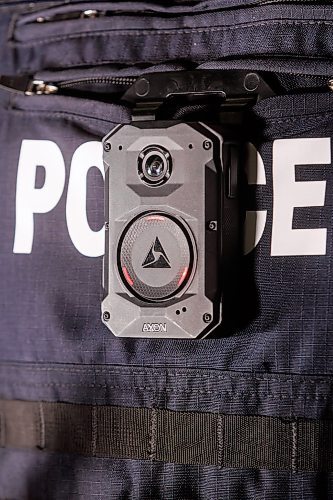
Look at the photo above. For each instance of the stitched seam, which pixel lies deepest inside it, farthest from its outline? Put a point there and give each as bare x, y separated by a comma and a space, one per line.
220, 439
328, 383
153, 434
41, 426
137, 371
173, 31
294, 446
296, 381
2, 431
94, 429
179, 374
217, 393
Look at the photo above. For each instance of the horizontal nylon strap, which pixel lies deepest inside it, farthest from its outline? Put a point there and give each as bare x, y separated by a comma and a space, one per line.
199, 438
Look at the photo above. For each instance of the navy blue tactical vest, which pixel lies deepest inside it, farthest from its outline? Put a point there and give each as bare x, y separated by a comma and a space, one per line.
84, 414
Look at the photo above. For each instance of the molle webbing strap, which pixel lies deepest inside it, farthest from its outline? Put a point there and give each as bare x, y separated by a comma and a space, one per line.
199, 438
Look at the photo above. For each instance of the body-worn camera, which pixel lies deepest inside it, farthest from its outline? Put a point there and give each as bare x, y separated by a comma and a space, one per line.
171, 203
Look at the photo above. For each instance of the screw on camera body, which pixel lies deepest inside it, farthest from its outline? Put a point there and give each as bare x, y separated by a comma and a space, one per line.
142, 87
207, 318
212, 225
251, 82
106, 316
206, 145
107, 146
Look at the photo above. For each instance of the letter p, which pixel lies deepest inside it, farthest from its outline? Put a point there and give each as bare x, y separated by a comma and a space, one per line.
31, 200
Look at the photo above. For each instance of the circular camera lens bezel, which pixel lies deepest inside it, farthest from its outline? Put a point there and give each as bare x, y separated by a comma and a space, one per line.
145, 155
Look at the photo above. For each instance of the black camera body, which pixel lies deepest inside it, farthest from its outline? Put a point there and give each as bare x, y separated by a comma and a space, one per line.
171, 208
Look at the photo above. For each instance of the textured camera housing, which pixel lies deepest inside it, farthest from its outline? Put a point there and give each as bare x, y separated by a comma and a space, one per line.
191, 203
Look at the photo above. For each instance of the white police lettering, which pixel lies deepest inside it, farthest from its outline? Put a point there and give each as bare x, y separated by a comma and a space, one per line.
86, 241
31, 200
287, 194
255, 221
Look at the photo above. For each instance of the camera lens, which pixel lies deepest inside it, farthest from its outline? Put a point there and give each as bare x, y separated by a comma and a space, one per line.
154, 165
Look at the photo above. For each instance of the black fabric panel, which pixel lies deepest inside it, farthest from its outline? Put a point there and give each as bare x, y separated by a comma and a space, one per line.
192, 438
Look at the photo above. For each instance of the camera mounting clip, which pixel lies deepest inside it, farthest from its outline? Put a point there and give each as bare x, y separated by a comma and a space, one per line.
231, 90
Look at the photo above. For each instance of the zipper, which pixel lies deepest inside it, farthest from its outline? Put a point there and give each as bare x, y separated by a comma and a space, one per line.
94, 13
30, 87
124, 81
85, 14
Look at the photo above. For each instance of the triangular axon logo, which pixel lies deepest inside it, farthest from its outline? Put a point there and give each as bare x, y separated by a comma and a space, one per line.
156, 257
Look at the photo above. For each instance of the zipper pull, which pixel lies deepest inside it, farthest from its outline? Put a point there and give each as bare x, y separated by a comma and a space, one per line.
90, 14
39, 87
27, 85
